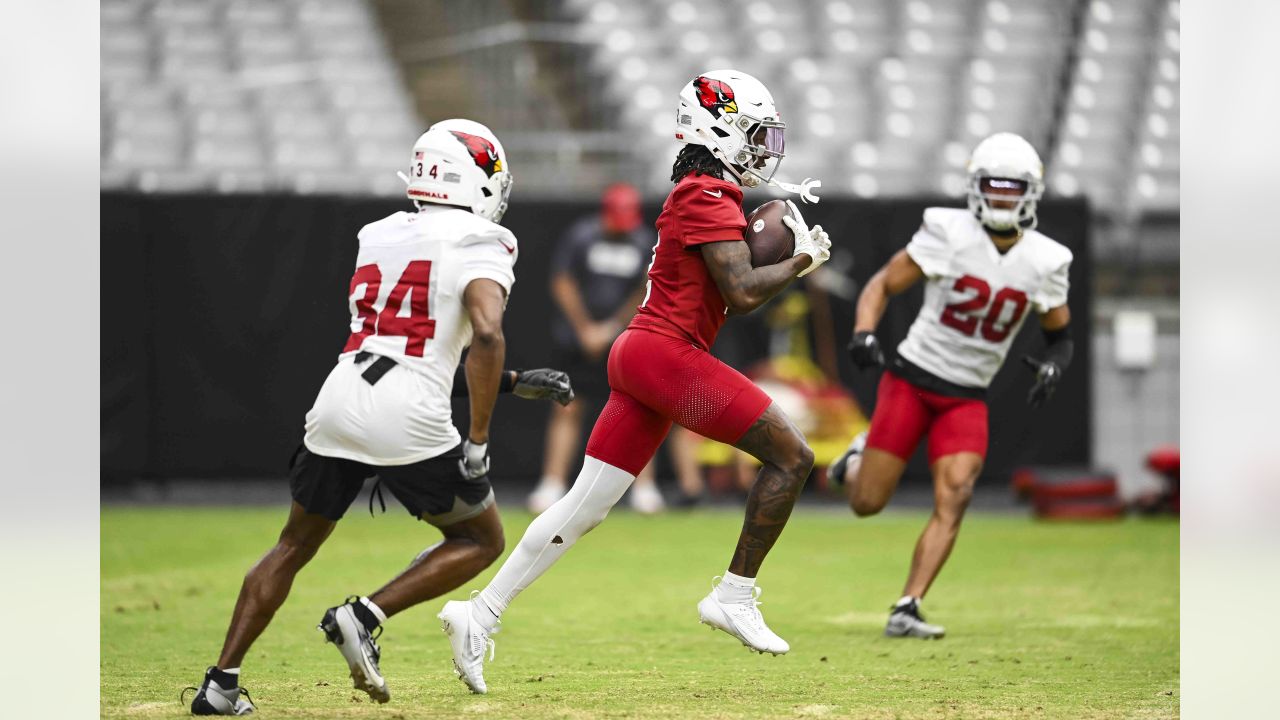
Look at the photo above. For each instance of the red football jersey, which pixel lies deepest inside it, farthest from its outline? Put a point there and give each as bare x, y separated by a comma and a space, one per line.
682, 299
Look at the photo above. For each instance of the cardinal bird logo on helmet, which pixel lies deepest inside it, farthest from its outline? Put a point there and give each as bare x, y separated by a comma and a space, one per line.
715, 95
482, 152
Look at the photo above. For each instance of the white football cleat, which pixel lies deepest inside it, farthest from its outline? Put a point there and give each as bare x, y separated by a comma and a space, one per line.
543, 497
469, 640
342, 628
741, 620
647, 500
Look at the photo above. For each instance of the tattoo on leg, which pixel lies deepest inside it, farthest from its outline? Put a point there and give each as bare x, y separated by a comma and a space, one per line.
768, 508
766, 435
774, 493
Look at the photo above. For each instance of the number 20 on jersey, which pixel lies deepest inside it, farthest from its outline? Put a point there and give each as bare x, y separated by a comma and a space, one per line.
967, 316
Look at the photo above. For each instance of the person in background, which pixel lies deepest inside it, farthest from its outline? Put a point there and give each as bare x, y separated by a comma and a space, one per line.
597, 280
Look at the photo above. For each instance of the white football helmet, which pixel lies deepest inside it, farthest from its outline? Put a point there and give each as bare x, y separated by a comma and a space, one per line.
732, 114
460, 162
1007, 162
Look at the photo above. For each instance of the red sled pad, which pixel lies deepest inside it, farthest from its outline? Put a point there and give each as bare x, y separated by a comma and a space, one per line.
1081, 511
1165, 460
1099, 488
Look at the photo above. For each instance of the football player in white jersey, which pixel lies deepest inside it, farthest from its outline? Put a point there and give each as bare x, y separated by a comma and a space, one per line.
426, 286
985, 267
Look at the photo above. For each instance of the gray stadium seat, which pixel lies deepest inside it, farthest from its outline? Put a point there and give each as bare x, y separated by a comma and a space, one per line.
913, 80
190, 89
216, 152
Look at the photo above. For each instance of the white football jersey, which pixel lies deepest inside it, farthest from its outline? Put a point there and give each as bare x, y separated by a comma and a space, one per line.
976, 299
406, 304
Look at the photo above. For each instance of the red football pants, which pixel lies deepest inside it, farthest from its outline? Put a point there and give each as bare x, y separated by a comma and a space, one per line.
656, 380
905, 412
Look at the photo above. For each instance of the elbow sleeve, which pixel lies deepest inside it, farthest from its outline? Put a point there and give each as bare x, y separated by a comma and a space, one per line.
1059, 347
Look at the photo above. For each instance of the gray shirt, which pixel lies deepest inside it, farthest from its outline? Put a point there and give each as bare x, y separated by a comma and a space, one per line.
607, 269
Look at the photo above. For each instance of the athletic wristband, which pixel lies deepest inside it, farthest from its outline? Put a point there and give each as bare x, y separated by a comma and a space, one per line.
508, 381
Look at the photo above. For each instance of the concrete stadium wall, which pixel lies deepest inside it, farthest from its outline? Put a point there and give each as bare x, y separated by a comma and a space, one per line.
221, 316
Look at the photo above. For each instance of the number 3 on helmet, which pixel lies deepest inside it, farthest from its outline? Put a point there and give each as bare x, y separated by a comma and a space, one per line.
461, 162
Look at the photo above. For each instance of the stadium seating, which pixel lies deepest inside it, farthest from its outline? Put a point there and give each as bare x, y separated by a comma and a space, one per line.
1118, 139
904, 89
883, 97
236, 95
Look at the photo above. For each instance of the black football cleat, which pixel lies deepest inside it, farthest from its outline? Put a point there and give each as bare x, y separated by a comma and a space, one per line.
836, 470
212, 699
342, 628
905, 620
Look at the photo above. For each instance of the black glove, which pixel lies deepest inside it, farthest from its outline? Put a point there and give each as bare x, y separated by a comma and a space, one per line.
864, 350
475, 460
1047, 376
543, 384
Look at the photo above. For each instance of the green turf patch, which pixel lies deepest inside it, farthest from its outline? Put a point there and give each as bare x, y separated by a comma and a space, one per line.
1043, 621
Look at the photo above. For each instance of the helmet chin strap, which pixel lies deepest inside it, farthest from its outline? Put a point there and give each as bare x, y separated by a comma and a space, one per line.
1005, 232
1005, 220
1010, 222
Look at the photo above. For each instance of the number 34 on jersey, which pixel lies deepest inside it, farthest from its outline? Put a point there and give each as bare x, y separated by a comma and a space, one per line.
406, 313
405, 296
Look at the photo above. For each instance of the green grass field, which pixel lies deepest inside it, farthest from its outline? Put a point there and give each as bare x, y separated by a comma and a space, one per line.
1043, 621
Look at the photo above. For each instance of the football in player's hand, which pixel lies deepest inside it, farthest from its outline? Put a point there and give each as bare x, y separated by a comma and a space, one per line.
769, 239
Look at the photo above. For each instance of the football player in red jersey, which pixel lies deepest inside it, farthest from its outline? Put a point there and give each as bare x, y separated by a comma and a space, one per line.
985, 267
660, 370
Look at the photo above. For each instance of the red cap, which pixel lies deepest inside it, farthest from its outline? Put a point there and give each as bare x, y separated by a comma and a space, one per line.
621, 208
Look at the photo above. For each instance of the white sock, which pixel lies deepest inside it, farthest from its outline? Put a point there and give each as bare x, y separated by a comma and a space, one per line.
486, 610
598, 488
735, 588
373, 607
549, 481
906, 600
232, 671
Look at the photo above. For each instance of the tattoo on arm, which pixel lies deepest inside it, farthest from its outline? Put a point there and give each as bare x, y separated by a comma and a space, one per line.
743, 287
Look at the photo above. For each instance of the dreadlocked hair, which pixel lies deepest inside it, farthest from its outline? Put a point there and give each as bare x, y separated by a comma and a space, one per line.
696, 159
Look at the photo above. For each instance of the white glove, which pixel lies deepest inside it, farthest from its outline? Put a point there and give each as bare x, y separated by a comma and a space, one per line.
475, 460
813, 242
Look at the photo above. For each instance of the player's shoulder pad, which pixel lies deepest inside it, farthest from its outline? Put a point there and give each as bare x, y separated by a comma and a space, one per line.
480, 232
1049, 253
946, 224
377, 227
